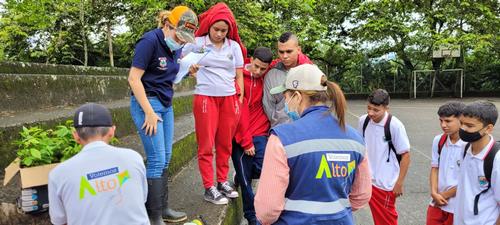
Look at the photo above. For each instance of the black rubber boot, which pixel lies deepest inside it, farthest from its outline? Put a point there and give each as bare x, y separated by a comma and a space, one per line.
170, 215
154, 201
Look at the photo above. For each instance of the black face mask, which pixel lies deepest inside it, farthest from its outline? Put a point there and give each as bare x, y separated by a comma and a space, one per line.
468, 136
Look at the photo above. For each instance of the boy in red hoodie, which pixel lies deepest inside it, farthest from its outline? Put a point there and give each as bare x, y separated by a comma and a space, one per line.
252, 132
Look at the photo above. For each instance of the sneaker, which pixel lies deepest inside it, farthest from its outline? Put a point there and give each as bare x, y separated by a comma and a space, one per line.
226, 189
214, 196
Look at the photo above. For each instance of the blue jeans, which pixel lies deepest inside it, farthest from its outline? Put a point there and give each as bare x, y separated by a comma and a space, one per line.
158, 147
248, 168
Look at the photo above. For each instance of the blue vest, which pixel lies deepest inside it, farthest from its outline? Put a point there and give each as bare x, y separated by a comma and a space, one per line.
323, 160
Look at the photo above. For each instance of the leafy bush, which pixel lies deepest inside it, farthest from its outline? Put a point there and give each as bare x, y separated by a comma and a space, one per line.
39, 147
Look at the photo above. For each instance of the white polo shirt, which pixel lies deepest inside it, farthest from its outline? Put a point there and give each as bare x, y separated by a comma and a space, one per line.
384, 174
472, 182
100, 185
216, 76
451, 156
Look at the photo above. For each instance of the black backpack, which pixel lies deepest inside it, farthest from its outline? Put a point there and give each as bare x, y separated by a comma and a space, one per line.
387, 134
487, 168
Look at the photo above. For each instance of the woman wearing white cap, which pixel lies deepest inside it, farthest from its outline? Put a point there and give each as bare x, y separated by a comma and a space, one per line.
315, 169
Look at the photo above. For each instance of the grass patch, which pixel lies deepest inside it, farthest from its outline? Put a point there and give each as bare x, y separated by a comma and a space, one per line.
182, 152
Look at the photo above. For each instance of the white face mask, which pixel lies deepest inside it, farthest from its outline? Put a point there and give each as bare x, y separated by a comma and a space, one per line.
172, 45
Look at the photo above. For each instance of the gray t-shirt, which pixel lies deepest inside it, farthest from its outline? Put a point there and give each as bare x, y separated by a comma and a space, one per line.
100, 185
274, 105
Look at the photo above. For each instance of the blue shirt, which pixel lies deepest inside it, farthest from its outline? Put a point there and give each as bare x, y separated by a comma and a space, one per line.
159, 64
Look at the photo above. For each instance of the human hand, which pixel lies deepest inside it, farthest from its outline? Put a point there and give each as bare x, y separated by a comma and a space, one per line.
151, 123
398, 189
449, 193
193, 69
438, 199
241, 99
250, 151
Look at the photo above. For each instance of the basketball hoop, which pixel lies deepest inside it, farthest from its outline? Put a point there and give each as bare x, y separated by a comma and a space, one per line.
446, 51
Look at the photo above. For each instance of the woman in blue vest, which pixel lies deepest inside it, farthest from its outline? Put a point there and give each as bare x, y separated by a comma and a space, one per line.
154, 68
315, 170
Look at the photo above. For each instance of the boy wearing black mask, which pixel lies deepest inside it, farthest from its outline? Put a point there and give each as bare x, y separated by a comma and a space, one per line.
478, 191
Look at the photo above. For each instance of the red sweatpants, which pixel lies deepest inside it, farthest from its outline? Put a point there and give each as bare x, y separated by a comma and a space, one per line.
383, 207
436, 216
215, 120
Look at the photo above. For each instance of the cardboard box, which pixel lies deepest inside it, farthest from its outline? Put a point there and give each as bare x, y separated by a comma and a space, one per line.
31, 176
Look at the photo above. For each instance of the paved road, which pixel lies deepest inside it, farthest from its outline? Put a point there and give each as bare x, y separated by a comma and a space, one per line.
421, 122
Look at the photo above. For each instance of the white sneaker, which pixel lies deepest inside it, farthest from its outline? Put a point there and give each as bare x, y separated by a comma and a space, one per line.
214, 196
226, 189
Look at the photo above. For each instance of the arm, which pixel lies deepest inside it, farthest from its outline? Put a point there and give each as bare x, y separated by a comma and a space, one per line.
267, 99
404, 165
242, 135
361, 190
449, 193
402, 145
437, 197
239, 81
151, 119
239, 62
56, 210
270, 197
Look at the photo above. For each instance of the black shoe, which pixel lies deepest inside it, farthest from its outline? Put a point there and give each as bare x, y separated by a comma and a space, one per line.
226, 189
168, 214
172, 216
214, 196
154, 201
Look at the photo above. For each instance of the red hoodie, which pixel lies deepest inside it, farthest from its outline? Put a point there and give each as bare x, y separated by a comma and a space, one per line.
218, 12
253, 119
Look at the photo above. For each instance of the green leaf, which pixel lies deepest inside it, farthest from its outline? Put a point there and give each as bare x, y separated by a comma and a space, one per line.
35, 153
27, 161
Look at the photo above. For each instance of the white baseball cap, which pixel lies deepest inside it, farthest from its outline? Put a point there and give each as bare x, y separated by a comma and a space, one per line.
305, 77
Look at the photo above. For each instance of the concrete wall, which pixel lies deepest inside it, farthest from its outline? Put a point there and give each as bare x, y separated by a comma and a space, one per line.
27, 87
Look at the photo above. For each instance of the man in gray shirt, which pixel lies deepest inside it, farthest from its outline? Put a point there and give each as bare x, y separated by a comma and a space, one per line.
290, 55
101, 184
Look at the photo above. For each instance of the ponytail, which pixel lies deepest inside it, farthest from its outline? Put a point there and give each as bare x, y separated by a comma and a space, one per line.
163, 18
336, 96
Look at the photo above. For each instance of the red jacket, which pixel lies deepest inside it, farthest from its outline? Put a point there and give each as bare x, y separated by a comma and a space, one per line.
217, 12
253, 120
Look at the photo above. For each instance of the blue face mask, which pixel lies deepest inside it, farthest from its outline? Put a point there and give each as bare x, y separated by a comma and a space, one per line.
294, 115
172, 45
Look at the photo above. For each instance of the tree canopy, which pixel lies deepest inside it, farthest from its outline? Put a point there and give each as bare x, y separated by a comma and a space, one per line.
351, 40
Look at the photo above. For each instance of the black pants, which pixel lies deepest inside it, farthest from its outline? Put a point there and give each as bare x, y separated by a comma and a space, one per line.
248, 168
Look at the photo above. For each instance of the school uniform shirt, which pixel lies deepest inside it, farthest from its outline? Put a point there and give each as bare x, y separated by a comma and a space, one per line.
384, 174
448, 165
100, 185
216, 76
471, 182
159, 64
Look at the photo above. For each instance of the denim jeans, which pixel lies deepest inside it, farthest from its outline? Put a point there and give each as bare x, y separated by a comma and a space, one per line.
248, 168
158, 147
